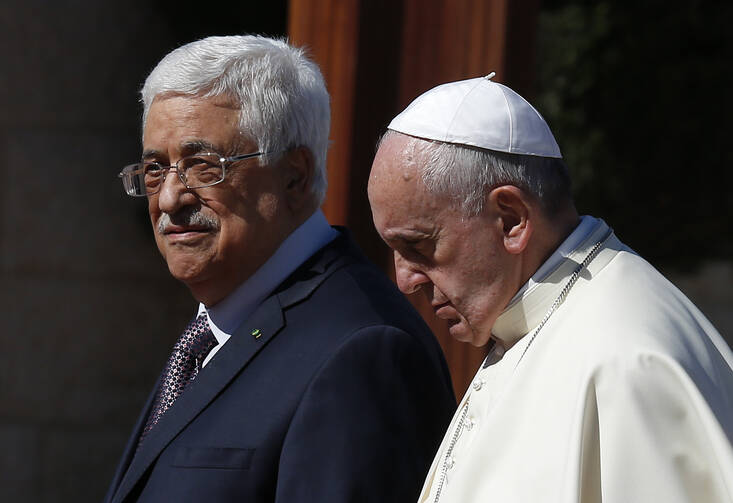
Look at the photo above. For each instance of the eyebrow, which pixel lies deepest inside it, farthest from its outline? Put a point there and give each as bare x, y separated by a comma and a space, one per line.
194, 146
407, 237
187, 148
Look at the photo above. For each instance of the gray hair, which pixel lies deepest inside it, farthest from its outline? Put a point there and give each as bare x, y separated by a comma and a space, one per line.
466, 173
281, 93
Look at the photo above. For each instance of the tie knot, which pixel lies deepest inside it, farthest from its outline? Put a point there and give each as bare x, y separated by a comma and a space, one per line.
197, 339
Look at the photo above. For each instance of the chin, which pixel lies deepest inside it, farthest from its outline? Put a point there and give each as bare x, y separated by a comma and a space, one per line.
185, 271
462, 332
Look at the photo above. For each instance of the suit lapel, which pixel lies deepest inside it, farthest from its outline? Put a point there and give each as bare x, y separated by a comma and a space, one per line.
267, 320
303, 282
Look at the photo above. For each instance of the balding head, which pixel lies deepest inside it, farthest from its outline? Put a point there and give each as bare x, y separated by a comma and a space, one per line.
468, 253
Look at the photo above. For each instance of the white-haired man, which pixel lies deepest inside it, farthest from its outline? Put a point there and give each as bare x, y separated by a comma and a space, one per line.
305, 375
602, 382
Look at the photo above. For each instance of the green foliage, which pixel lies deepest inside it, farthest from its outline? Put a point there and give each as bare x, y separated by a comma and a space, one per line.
638, 96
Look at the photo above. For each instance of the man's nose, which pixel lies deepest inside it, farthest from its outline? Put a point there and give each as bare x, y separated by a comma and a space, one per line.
409, 278
173, 194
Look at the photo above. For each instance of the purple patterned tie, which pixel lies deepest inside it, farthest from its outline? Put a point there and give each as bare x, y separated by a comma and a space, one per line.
183, 366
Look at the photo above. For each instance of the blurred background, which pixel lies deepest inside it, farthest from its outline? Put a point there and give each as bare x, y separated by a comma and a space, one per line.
637, 94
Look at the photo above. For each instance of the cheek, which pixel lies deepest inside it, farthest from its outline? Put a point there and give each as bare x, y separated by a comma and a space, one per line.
233, 229
469, 290
236, 236
469, 278
268, 206
153, 210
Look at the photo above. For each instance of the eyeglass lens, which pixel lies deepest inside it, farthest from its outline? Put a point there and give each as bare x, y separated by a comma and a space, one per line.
195, 172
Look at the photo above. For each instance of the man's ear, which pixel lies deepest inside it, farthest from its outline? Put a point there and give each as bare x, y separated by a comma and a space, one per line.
513, 208
298, 168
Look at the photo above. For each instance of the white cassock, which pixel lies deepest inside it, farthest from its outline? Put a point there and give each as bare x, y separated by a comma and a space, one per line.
624, 395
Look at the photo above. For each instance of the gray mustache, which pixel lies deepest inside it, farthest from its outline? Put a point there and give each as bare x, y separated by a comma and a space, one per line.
187, 218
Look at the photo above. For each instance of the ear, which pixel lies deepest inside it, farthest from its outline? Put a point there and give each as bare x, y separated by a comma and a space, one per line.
298, 169
514, 209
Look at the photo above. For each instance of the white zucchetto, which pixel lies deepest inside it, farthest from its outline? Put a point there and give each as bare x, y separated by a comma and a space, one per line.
480, 113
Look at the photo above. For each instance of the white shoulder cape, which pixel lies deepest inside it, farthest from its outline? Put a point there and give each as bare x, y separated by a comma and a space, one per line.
625, 395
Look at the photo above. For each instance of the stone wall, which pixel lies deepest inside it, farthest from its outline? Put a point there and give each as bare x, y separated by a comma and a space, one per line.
90, 312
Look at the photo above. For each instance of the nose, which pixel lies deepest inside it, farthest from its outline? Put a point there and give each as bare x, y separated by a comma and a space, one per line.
173, 194
409, 277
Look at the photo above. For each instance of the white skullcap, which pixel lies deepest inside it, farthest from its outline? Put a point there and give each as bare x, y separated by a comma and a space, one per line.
480, 113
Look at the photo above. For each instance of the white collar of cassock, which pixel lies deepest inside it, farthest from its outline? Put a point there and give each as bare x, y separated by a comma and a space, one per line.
226, 316
530, 304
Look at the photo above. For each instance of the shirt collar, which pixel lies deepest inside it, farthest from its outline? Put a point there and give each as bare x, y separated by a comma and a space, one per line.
531, 303
226, 316
579, 234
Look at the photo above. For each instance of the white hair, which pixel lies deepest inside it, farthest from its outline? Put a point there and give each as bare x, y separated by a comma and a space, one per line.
281, 93
466, 174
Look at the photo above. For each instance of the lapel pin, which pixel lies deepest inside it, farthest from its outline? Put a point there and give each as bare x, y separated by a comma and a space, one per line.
256, 333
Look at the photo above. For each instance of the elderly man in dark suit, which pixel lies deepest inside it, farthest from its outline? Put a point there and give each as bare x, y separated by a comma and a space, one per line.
305, 375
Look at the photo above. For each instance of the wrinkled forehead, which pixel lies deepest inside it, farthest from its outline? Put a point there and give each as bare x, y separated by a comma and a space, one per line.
397, 193
393, 172
396, 157
183, 119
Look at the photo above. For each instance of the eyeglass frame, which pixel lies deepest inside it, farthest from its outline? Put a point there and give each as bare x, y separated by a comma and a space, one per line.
181, 176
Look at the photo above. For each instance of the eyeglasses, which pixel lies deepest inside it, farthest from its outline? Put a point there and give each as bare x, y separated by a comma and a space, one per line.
195, 172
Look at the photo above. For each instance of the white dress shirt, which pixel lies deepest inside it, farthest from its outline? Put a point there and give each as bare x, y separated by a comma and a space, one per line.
226, 316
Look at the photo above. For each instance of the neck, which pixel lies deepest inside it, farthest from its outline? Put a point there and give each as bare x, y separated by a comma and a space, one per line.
216, 288
549, 234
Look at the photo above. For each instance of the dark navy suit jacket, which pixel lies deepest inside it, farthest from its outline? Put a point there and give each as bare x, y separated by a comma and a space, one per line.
343, 396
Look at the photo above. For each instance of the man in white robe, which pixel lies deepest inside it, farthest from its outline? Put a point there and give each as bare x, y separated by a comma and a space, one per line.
603, 381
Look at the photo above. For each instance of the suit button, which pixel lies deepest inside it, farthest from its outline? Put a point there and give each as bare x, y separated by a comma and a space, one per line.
478, 384
450, 462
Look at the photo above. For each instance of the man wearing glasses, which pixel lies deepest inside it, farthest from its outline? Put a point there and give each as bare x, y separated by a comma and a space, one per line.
304, 375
